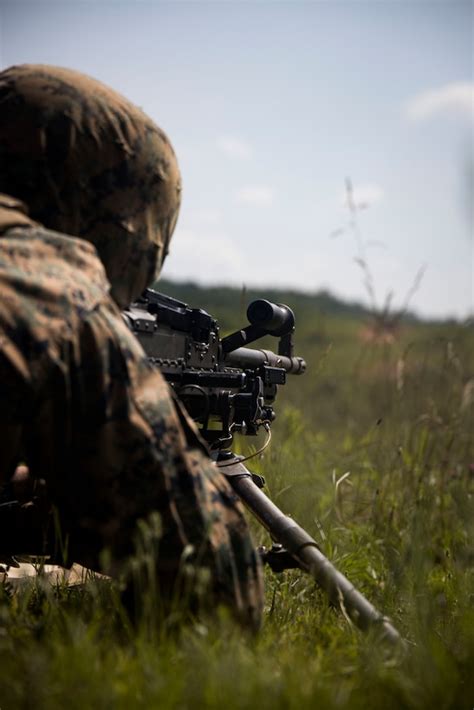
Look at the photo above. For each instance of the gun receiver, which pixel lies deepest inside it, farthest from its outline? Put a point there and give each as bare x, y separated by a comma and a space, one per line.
225, 386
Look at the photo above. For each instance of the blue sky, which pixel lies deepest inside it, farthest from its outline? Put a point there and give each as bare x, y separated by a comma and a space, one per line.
270, 106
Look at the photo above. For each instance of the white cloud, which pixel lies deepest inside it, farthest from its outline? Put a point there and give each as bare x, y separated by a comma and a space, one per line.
364, 195
257, 195
235, 147
204, 257
457, 96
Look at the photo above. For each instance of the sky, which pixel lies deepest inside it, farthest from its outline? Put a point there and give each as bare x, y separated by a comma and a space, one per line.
272, 107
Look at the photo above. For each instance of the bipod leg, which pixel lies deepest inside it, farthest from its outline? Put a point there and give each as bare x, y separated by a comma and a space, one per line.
300, 545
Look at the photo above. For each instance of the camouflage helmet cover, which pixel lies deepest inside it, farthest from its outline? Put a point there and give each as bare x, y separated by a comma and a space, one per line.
89, 163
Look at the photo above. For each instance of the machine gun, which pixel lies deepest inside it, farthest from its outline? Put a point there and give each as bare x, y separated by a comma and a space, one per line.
226, 387
229, 388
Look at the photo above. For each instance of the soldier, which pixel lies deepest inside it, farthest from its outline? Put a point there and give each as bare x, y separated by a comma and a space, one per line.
91, 197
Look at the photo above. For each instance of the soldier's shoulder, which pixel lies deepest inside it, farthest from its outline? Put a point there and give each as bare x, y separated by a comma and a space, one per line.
56, 263
52, 284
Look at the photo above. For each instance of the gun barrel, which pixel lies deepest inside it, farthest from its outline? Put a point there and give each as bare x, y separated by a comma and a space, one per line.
249, 358
305, 550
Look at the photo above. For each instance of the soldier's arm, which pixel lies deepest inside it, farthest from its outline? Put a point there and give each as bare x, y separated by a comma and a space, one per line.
125, 450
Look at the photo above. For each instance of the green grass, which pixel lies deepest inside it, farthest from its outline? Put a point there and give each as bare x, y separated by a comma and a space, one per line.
397, 419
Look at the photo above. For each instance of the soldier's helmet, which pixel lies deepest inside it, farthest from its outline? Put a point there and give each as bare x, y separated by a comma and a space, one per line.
89, 163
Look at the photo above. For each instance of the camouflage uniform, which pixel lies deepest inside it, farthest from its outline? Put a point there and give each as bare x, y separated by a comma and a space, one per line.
80, 403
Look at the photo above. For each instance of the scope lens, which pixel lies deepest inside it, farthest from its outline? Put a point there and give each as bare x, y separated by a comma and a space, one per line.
259, 311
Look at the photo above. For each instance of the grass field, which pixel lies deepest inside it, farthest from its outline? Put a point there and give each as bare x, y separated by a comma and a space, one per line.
373, 453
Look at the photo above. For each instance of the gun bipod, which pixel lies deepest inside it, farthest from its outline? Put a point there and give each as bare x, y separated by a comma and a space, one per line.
296, 543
